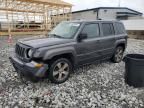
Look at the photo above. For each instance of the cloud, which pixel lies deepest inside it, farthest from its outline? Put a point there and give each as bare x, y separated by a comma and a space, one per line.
81, 4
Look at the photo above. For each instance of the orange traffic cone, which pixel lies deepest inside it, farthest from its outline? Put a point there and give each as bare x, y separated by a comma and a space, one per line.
10, 39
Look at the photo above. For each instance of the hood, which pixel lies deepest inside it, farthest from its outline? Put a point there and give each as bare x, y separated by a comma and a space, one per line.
38, 42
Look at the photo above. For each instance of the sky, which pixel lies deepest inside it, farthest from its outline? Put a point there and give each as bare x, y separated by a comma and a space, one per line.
87, 4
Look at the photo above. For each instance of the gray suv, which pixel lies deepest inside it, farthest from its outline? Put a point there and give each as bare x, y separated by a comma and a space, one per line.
69, 45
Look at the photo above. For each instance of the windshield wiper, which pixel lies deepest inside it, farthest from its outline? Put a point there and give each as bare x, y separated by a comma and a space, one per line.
55, 35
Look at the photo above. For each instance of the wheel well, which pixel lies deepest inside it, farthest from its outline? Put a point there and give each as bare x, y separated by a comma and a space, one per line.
68, 56
122, 45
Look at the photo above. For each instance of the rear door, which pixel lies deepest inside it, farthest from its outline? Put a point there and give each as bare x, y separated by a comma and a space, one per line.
107, 39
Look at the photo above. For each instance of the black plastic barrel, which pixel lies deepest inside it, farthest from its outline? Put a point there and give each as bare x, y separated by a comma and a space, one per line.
134, 70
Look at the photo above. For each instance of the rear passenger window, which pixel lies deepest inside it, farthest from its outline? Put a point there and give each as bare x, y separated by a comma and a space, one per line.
119, 28
92, 30
107, 29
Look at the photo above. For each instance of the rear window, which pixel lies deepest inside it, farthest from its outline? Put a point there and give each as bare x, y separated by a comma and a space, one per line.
119, 28
108, 29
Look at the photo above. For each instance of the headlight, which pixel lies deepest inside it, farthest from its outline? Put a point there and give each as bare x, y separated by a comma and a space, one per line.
30, 52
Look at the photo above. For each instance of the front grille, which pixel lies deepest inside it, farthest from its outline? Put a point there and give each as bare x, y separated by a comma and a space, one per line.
21, 51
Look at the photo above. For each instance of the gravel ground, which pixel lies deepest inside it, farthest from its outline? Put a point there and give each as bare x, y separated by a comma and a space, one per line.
92, 86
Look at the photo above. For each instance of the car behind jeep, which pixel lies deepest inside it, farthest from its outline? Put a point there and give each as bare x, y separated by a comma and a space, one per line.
69, 45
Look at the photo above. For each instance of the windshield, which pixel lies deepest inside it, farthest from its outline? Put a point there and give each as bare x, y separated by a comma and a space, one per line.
65, 29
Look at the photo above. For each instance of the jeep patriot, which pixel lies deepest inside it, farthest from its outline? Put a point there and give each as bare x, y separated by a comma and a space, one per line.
70, 44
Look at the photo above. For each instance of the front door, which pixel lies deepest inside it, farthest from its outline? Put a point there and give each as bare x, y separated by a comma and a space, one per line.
88, 50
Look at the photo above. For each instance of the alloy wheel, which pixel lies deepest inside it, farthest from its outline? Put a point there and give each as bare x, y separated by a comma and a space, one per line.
119, 54
61, 71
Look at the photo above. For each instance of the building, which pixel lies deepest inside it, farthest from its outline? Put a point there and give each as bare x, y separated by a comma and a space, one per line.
119, 13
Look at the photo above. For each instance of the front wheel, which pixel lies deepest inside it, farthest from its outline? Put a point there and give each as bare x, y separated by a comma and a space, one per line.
118, 54
60, 70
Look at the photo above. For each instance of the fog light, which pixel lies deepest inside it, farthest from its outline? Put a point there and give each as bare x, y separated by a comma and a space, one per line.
38, 65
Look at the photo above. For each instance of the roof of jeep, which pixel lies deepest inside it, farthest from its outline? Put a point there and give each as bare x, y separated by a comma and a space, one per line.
84, 21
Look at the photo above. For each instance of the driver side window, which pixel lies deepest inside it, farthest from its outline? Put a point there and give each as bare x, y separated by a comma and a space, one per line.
92, 30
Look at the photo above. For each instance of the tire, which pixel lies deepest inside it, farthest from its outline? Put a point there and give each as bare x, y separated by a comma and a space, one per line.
118, 54
60, 70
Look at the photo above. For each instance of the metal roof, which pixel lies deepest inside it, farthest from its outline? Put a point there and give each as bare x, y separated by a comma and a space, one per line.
96, 9
127, 13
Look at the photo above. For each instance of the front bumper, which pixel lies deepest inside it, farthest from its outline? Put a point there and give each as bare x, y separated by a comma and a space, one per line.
28, 69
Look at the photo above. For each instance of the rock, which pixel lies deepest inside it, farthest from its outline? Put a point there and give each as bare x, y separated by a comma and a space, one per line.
15, 75
98, 97
95, 86
130, 91
133, 99
41, 107
122, 97
7, 107
141, 105
2, 79
130, 102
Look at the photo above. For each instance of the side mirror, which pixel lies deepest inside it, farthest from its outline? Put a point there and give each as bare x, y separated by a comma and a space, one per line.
82, 36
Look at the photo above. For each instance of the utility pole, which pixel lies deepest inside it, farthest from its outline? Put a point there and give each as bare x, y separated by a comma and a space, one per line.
119, 3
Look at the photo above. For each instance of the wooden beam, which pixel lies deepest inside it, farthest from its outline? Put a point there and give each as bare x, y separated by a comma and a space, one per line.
49, 2
6, 9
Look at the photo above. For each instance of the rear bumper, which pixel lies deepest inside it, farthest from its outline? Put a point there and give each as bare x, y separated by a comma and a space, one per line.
28, 69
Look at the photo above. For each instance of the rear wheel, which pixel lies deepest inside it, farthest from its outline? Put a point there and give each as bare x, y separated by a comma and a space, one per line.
60, 70
118, 55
